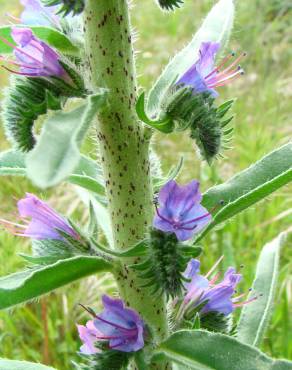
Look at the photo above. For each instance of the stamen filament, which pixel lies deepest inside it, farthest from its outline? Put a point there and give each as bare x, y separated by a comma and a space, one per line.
115, 325
236, 61
163, 218
226, 80
195, 219
213, 268
216, 69
19, 50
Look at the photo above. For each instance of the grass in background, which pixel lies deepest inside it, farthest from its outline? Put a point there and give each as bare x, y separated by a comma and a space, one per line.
45, 330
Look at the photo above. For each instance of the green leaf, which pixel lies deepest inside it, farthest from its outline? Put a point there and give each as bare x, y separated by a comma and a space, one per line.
216, 27
255, 317
202, 350
44, 260
171, 175
165, 125
6, 364
101, 214
26, 285
12, 163
56, 153
51, 36
88, 173
250, 186
139, 249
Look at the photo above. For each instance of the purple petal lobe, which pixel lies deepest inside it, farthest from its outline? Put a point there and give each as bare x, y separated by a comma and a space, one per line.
180, 211
35, 56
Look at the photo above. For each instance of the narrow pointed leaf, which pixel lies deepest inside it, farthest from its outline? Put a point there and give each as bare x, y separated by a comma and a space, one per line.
140, 249
216, 27
51, 36
56, 153
250, 186
202, 350
26, 285
101, 214
255, 317
171, 175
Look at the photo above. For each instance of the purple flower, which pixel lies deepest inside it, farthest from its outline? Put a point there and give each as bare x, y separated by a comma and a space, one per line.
214, 297
204, 76
45, 222
121, 327
180, 211
35, 13
34, 57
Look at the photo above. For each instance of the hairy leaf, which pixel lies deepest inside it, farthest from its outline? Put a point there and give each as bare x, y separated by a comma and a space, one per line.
202, 350
23, 286
250, 186
6, 364
56, 153
255, 317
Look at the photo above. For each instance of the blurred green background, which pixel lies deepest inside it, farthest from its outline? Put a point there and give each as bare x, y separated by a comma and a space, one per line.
45, 330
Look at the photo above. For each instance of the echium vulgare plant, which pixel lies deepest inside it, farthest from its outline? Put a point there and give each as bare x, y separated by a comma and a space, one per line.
144, 227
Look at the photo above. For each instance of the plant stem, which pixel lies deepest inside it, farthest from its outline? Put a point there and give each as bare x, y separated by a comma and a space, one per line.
124, 149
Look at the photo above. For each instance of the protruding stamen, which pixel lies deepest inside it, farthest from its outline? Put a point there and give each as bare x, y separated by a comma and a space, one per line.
215, 278
8, 15
19, 49
224, 61
213, 268
230, 67
245, 302
227, 79
93, 314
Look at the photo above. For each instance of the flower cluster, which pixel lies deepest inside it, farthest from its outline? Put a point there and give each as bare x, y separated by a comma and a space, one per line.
121, 327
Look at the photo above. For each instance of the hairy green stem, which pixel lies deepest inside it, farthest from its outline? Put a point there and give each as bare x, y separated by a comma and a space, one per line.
124, 149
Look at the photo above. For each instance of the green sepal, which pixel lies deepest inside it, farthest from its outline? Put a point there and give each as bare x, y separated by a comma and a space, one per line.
106, 359
198, 113
25, 100
164, 264
67, 6
216, 322
164, 125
